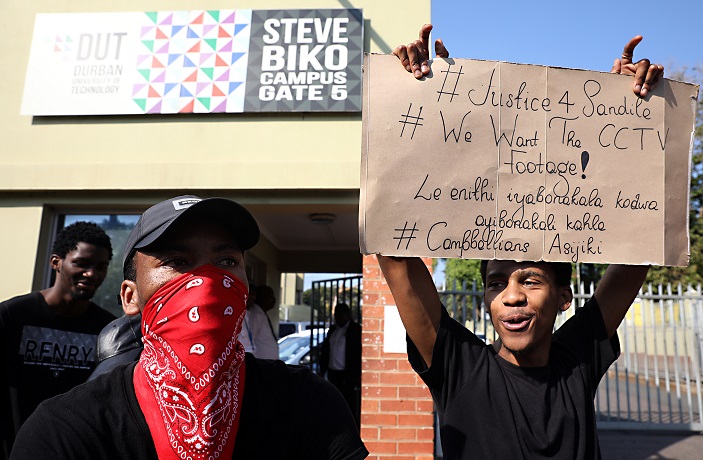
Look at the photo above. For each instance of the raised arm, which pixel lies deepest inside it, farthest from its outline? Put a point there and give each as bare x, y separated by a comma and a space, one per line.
620, 283
416, 298
616, 291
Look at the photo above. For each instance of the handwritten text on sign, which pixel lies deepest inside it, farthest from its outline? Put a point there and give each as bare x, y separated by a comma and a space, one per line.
496, 160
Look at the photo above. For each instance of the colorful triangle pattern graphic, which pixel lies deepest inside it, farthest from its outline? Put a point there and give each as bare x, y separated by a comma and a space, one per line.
186, 58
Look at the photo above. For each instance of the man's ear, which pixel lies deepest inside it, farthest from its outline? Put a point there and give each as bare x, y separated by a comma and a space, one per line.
565, 297
55, 262
130, 297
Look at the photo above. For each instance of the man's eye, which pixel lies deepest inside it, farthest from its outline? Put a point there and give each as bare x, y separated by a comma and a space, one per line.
496, 285
174, 262
229, 262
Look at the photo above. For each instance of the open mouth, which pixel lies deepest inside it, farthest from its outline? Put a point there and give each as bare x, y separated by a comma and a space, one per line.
516, 323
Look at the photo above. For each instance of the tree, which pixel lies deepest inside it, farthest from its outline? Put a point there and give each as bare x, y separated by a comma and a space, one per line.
307, 297
588, 274
462, 270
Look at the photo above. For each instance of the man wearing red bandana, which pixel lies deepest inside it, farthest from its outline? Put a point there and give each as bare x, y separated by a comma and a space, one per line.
194, 393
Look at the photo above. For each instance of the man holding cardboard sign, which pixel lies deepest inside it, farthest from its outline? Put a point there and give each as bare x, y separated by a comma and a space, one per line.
530, 394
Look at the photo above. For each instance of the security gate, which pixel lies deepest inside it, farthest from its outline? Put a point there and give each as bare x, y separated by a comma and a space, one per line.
326, 294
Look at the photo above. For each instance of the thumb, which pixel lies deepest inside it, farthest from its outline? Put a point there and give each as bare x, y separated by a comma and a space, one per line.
440, 50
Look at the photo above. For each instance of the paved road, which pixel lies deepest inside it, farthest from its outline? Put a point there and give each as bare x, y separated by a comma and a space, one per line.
647, 445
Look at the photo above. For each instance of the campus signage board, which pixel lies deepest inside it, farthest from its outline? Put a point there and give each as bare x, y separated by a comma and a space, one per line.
488, 160
202, 61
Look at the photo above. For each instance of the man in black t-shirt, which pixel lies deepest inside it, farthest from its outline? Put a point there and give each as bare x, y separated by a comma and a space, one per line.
530, 394
48, 338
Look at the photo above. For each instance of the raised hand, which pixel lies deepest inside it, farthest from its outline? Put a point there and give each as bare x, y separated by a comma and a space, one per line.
646, 75
413, 56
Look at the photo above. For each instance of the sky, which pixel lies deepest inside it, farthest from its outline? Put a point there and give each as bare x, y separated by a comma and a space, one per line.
583, 35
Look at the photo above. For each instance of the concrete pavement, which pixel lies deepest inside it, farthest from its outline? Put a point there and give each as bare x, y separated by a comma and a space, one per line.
650, 445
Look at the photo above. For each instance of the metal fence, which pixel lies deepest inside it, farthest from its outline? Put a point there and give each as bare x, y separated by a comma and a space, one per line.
656, 382
326, 294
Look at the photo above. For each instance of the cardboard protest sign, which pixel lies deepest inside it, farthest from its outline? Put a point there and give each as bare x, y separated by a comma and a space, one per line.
488, 160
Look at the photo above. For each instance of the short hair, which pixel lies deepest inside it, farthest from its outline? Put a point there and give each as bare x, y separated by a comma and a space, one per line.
80, 232
562, 272
129, 270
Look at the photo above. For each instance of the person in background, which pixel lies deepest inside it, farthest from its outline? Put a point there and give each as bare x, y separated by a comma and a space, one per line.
48, 337
340, 357
194, 392
258, 336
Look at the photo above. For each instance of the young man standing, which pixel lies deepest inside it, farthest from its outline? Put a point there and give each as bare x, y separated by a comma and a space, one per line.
194, 393
48, 338
529, 395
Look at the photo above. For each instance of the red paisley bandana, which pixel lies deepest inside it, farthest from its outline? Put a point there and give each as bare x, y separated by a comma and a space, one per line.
190, 378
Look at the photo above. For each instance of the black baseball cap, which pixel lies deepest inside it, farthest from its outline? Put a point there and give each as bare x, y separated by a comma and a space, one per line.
158, 218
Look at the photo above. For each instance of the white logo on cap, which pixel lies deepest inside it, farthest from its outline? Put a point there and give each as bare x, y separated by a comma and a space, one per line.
185, 203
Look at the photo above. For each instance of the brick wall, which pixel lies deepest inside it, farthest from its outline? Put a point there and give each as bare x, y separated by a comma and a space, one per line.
396, 407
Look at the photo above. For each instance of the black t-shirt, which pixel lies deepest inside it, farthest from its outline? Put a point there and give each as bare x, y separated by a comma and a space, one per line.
287, 413
491, 409
43, 354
